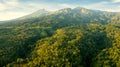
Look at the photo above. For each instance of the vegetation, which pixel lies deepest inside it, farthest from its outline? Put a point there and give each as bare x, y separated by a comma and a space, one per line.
66, 38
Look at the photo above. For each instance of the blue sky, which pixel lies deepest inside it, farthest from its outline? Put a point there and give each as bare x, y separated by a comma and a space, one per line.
10, 9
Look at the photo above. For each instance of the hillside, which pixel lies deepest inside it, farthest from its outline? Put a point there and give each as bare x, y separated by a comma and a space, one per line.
68, 37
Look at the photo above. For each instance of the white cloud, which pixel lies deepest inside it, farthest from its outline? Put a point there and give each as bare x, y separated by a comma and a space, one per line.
11, 2
2, 7
67, 6
6, 13
6, 4
37, 6
11, 15
104, 6
116, 1
96, 5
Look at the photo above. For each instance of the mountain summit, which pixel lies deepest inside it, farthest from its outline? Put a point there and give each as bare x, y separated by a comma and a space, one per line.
38, 13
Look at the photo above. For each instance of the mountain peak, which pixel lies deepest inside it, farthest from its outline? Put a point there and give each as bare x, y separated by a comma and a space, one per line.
82, 10
79, 8
40, 11
65, 10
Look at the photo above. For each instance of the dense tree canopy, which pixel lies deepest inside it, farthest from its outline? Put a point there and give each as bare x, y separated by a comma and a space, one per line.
66, 38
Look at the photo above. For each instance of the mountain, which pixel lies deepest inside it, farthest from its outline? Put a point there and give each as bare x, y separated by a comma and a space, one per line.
67, 37
41, 12
76, 15
0, 21
38, 13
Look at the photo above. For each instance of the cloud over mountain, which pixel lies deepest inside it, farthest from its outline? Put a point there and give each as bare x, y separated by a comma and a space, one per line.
17, 8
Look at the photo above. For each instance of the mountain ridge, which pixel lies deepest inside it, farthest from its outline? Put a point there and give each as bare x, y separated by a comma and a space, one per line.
43, 12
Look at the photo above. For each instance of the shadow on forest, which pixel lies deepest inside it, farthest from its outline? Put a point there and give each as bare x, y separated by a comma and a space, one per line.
91, 44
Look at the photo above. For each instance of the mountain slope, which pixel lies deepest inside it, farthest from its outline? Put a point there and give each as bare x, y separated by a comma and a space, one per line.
76, 15
67, 37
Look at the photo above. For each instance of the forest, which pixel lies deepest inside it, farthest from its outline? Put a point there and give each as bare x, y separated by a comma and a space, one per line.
68, 37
